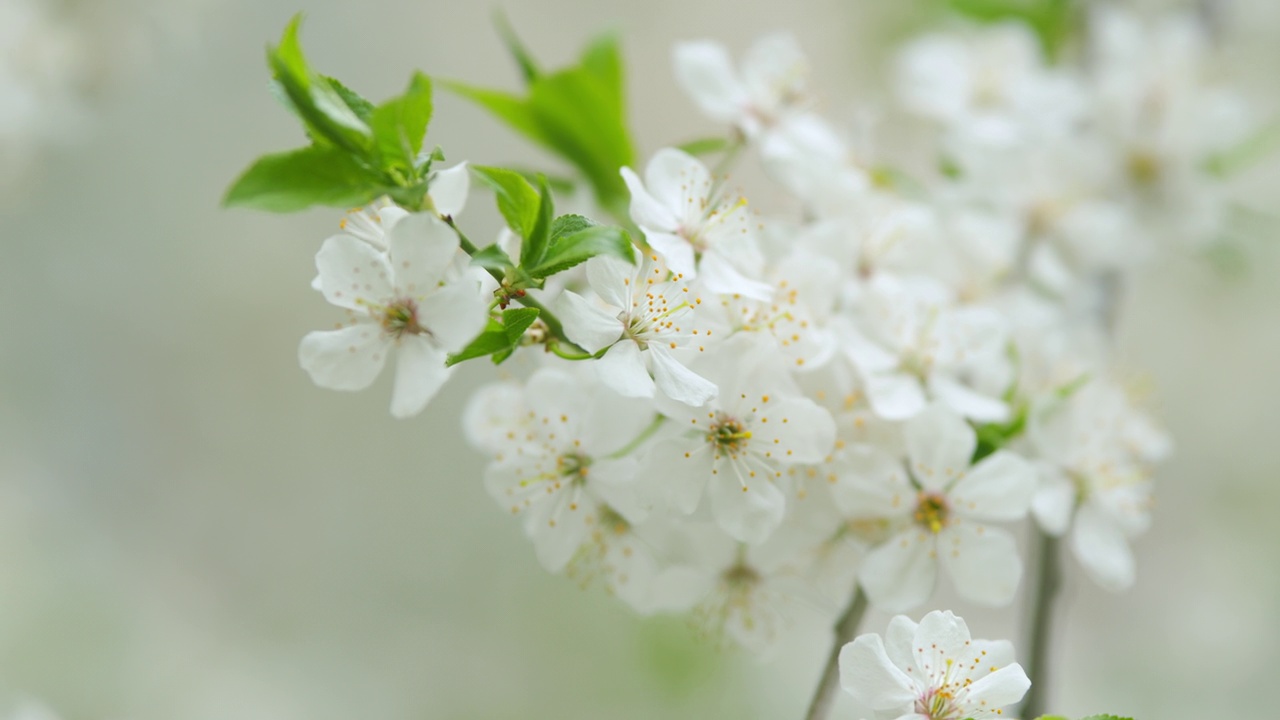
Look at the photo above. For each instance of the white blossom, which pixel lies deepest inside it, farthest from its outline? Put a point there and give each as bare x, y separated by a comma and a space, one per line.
933, 670
938, 503
734, 449
772, 82
642, 320
698, 232
397, 302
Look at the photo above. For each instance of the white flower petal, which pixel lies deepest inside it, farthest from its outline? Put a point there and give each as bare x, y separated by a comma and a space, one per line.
939, 445
872, 484
681, 466
1000, 689
1102, 548
454, 315
675, 250
900, 574
968, 402
705, 72
420, 247
420, 373
998, 488
748, 508
558, 527
618, 484
982, 561
894, 396
941, 640
718, 275
346, 359
611, 279
680, 182
677, 381
586, 323
867, 673
622, 369
646, 210
352, 273
796, 430
449, 188
1055, 500
900, 639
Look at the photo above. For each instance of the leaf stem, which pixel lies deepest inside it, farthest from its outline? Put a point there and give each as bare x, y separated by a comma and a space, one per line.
545, 315
846, 627
1042, 597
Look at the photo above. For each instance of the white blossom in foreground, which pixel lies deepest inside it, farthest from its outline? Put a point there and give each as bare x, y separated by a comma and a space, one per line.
397, 302
699, 233
932, 671
938, 505
771, 85
646, 318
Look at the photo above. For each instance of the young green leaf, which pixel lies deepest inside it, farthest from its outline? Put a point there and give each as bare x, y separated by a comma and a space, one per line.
492, 258
400, 124
498, 337
578, 113
519, 53
322, 108
290, 181
568, 225
582, 245
361, 107
517, 200
536, 243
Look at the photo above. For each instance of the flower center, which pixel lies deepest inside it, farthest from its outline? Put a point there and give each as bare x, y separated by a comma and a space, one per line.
573, 466
728, 436
932, 512
1143, 167
937, 704
400, 317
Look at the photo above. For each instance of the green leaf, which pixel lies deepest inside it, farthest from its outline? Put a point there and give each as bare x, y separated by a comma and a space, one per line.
1051, 717
582, 245
536, 242
361, 107
498, 337
400, 124
492, 258
317, 175
578, 113
528, 67
512, 109
705, 146
517, 200
994, 436
516, 320
322, 108
568, 225
1105, 717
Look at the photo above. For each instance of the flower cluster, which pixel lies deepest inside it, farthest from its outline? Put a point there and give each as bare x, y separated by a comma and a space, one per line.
726, 412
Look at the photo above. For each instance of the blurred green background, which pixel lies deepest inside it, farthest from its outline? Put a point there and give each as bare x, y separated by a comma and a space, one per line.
190, 530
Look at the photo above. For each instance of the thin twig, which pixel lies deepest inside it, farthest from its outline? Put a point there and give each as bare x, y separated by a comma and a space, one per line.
1042, 597
846, 627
